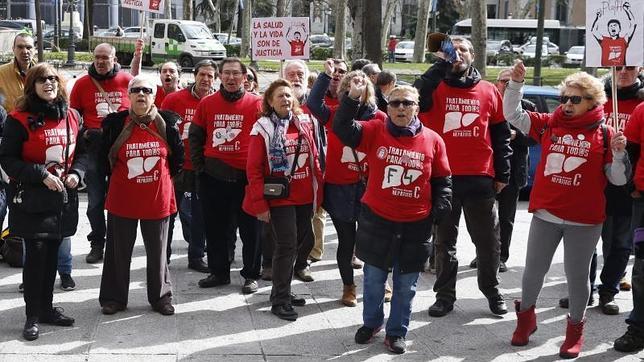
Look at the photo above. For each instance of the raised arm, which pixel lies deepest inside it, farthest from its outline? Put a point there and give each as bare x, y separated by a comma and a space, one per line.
135, 65
512, 110
344, 124
595, 27
315, 101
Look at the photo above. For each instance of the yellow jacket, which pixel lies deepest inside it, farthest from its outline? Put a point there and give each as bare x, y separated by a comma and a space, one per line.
12, 85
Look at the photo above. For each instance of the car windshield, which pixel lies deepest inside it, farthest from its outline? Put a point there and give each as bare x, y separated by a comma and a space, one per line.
493, 45
405, 45
576, 50
196, 31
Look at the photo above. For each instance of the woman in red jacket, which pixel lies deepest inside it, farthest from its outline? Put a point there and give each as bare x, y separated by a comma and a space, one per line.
284, 186
580, 155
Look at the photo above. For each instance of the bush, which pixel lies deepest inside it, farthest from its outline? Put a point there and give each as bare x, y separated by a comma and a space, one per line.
81, 45
232, 50
319, 53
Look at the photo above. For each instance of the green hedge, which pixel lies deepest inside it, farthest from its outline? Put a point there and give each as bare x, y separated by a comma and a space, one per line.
62, 56
232, 50
81, 45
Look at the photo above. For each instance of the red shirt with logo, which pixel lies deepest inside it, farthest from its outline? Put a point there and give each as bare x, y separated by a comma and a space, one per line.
87, 99
140, 186
400, 169
613, 51
342, 168
227, 126
462, 117
634, 132
570, 179
184, 104
46, 145
624, 109
297, 48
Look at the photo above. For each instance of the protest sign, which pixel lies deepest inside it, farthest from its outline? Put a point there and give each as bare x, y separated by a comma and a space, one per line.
153, 6
614, 33
280, 38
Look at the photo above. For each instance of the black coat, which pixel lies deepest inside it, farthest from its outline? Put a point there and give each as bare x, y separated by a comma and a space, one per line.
113, 125
55, 224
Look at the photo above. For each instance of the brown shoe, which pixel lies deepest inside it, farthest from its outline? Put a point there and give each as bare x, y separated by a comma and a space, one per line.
388, 293
111, 308
164, 308
349, 296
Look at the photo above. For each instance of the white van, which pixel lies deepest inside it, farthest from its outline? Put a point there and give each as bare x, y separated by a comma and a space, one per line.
186, 41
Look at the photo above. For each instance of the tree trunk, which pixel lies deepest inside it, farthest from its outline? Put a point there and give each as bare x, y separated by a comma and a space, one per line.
41, 51
168, 9
339, 50
386, 23
421, 31
89, 19
188, 10
357, 45
479, 34
244, 50
373, 22
280, 8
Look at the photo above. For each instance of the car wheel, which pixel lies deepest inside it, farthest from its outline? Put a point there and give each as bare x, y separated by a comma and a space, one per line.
186, 61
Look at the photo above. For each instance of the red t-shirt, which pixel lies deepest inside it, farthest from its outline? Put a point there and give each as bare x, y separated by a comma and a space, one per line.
297, 48
87, 99
634, 132
46, 145
227, 126
341, 165
140, 186
624, 108
462, 117
184, 104
570, 179
400, 169
613, 51
158, 100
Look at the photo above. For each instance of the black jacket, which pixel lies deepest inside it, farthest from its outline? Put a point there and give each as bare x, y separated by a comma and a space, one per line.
618, 198
520, 146
478, 187
380, 241
113, 125
55, 224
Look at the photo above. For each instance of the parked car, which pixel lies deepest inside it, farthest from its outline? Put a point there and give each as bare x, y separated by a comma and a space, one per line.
404, 51
223, 38
9, 24
496, 47
553, 49
531, 50
320, 40
107, 32
547, 100
134, 32
64, 34
575, 55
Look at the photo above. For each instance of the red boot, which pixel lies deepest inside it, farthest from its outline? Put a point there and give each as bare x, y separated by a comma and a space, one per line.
574, 340
526, 325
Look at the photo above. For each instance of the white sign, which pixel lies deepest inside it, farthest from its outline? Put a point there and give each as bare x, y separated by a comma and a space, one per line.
280, 38
614, 33
152, 6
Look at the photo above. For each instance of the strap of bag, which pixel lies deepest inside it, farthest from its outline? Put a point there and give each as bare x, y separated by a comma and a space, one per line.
363, 177
110, 107
297, 155
156, 134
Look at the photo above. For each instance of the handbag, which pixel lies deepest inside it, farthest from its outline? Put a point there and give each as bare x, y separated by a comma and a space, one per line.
277, 187
11, 249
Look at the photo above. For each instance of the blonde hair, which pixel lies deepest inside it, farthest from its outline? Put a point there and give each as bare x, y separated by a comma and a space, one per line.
405, 89
369, 96
591, 87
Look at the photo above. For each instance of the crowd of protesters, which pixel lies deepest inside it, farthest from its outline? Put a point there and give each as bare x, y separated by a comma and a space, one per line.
394, 166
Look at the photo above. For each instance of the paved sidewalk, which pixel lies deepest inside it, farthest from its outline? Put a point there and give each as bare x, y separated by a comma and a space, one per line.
221, 324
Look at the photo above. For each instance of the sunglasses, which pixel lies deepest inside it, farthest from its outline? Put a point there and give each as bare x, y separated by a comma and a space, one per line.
406, 103
572, 99
136, 90
250, 77
44, 79
629, 68
340, 71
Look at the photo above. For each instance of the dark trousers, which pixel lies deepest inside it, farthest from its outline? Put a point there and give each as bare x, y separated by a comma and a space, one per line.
346, 243
222, 213
191, 217
96, 182
39, 275
292, 233
507, 199
617, 243
268, 244
121, 235
480, 218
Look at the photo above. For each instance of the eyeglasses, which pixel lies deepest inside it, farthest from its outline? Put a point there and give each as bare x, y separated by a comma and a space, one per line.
339, 71
397, 102
250, 77
44, 79
629, 68
136, 90
572, 99
504, 81
232, 74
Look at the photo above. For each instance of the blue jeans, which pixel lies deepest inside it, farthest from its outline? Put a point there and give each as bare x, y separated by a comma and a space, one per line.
96, 189
3, 204
404, 290
636, 318
65, 256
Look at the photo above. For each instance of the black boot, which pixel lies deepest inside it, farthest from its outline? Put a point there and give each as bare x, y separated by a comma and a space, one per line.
30, 331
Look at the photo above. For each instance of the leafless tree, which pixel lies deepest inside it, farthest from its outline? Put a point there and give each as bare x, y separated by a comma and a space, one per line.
421, 31
386, 23
479, 34
340, 28
373, 22
245, 36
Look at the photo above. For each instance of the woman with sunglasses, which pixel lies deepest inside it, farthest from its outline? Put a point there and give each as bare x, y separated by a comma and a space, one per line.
579, 156
408, 190
251, 83
38, 152
141, 151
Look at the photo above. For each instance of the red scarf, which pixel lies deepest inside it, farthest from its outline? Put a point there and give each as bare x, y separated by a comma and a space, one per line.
585, 120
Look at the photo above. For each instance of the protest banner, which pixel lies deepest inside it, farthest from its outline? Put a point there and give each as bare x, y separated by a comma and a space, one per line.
280, 38
614, 33
152, 6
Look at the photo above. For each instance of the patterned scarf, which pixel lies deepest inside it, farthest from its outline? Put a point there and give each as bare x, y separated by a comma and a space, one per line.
277, 144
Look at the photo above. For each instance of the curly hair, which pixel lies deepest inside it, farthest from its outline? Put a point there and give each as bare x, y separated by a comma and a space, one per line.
369, 96
267, 110
591, 87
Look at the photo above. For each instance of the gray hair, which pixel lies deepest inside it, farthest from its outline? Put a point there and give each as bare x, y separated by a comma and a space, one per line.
292, 62
145, 80
371, 69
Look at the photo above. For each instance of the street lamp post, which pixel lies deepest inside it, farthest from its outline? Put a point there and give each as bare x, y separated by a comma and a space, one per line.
71, 49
